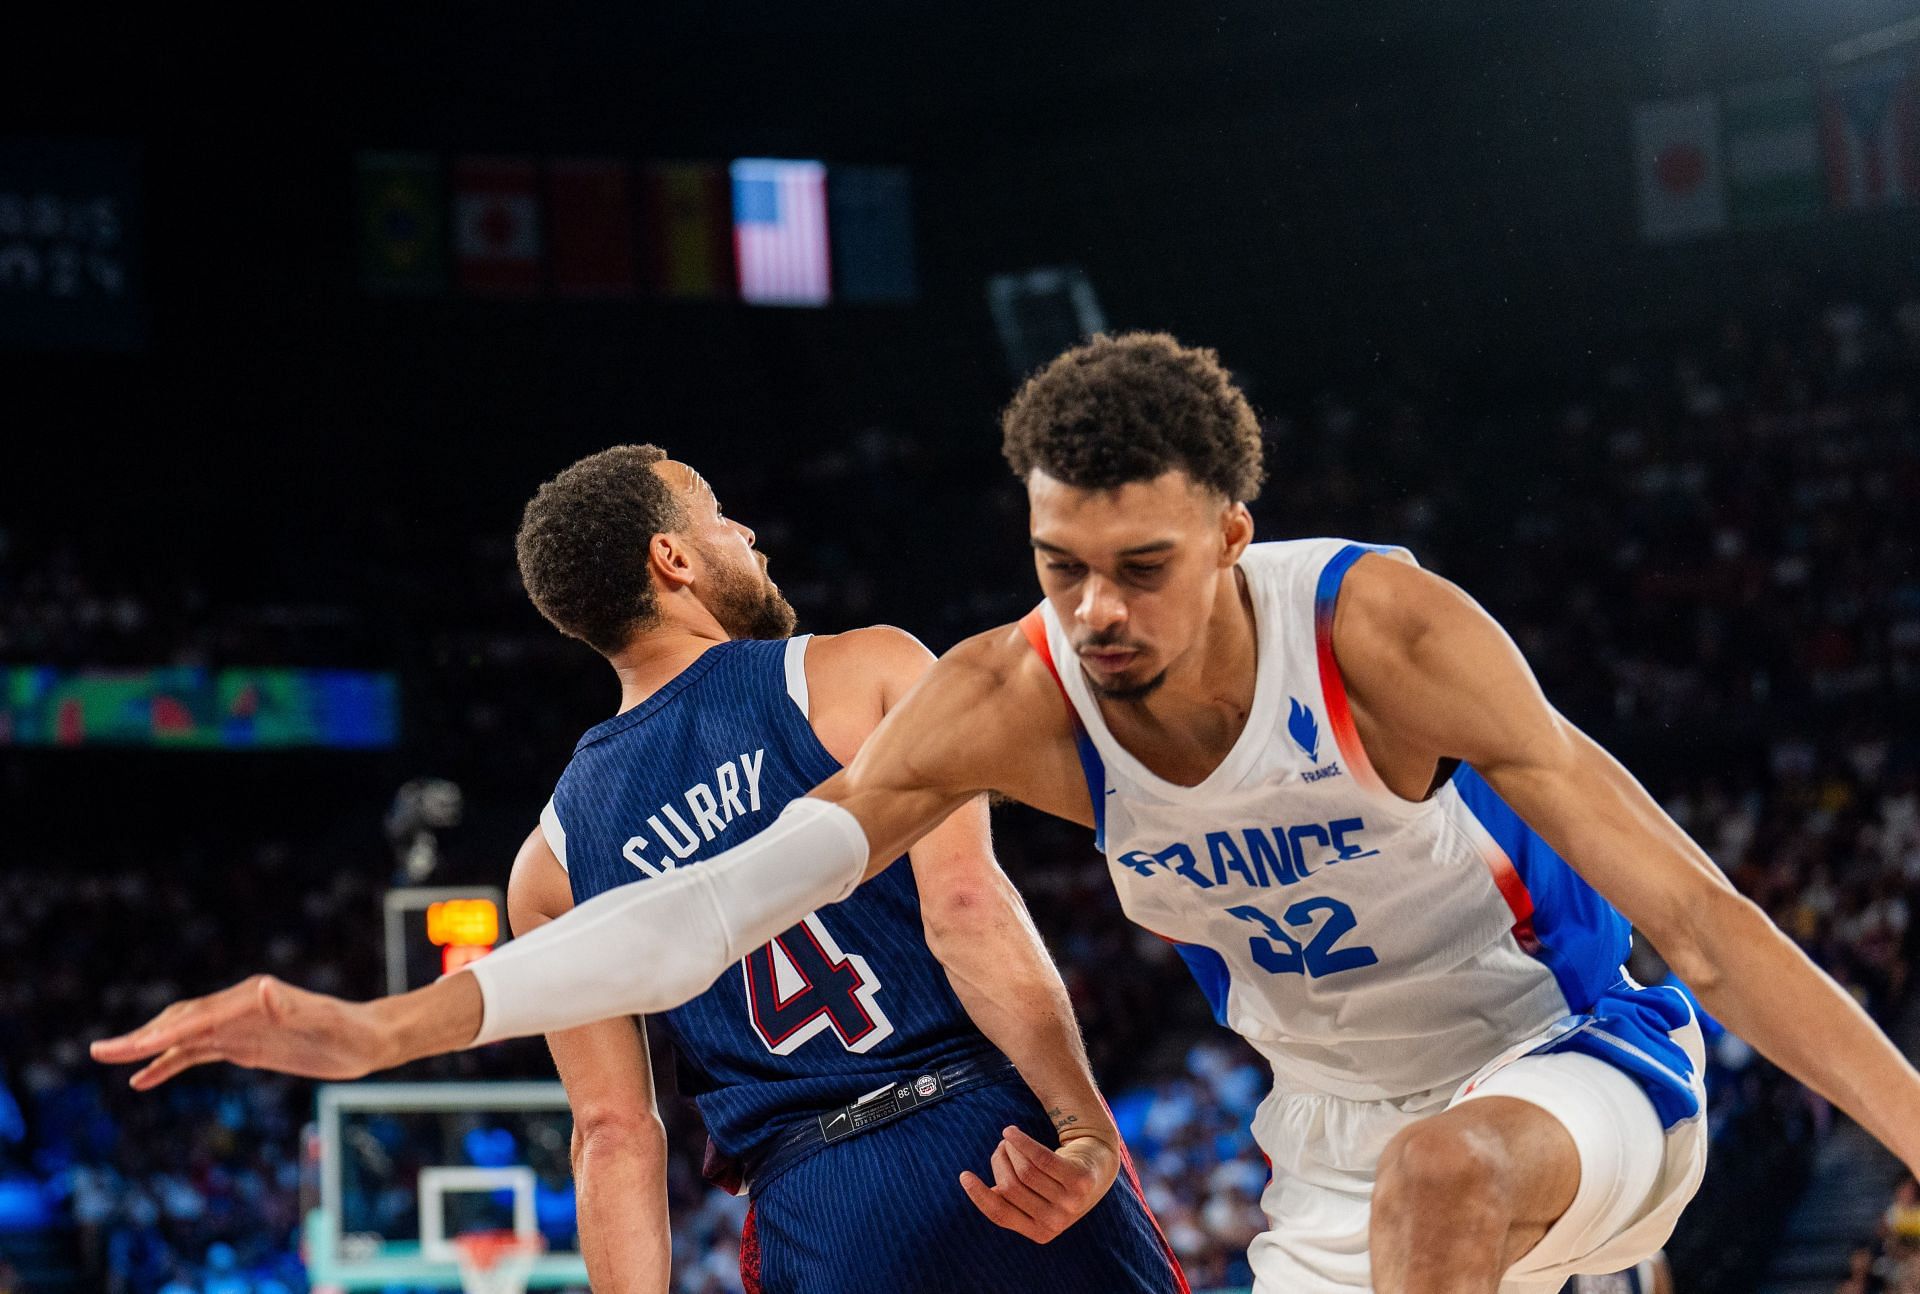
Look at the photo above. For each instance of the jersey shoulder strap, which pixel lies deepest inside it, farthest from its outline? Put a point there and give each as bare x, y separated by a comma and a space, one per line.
1034, 626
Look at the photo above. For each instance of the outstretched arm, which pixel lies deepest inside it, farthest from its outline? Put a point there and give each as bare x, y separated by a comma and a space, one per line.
634, 950
1436, 676
930, 756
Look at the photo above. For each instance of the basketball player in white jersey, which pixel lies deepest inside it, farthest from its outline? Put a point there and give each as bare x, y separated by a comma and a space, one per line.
1326, 775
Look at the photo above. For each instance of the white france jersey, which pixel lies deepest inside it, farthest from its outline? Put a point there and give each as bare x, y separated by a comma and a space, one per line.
1369, 946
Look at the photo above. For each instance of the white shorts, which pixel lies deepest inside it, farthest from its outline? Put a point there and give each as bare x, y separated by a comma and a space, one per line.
1635, 1178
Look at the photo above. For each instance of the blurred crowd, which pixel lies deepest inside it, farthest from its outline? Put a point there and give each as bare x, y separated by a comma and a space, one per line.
1711, 529
1707, 525
196, 1187
1708, 556
1890, 1262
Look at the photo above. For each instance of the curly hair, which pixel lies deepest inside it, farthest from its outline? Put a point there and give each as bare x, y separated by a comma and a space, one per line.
583, 543
1115, 410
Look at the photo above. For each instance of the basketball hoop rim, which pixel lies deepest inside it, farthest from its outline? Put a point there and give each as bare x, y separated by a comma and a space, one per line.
486, 1250
496, 1262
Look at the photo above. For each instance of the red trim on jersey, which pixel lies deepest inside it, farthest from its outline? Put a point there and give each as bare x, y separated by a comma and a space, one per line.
1333, 691
750, 1253
1034, 626
1346, 735
1506, 879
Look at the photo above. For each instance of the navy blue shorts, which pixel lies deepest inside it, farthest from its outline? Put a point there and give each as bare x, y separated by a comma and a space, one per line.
884, 1211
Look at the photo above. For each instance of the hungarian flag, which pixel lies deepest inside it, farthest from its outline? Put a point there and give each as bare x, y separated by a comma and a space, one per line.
1772, 152
403, 235
496, 226
687, 216
590, 209
1869, 132
1677, 157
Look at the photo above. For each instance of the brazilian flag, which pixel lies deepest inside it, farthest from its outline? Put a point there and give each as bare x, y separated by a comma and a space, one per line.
403, 223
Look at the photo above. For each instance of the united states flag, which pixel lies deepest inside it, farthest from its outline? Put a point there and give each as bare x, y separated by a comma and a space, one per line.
780, 231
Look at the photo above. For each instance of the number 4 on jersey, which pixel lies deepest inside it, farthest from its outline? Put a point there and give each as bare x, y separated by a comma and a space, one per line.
801, 985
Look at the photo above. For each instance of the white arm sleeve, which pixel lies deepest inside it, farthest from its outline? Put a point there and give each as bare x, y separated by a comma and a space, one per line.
650, 947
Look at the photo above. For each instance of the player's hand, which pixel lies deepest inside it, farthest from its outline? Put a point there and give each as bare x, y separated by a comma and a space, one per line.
261, 1023
1038, 1191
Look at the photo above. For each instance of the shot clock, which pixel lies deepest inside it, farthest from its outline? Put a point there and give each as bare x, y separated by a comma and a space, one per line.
435, 930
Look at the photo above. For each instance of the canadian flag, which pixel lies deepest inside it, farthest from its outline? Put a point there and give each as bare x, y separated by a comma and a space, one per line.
496, 226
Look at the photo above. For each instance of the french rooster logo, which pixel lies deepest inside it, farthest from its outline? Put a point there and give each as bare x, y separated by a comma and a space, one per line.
1304, 729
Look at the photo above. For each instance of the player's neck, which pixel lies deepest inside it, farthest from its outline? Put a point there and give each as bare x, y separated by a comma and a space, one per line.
1225, 662
655, 657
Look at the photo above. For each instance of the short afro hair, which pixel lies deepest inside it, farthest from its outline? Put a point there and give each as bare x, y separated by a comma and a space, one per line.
1116, 410
583, 545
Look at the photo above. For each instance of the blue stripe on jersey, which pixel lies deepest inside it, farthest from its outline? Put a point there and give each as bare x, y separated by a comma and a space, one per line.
1210, 972
849, 1000
1583, 941
1327, 592
1208, 967
1095, 771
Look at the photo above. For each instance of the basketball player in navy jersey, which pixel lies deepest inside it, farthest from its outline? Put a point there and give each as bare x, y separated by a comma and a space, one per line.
723, 719
1332, 781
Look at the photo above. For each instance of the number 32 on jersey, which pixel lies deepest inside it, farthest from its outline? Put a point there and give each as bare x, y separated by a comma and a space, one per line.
1323, 955
801, 985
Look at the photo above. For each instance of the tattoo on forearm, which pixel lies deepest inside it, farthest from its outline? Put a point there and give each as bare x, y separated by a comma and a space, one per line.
1061, 1119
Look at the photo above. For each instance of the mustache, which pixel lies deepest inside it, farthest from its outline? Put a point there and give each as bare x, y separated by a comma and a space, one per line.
1106, 641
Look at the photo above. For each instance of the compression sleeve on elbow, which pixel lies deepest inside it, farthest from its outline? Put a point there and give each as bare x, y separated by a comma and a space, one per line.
653, 945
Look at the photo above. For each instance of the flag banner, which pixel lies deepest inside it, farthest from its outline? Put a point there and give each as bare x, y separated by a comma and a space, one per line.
1677, 163
780, 231
496, 226
69, 233
871, 211
198, 709
1772, 151
590, 218
403, 223
1869, 132
687, 225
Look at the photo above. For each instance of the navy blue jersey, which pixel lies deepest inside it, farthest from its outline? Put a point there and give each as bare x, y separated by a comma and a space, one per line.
845, 1002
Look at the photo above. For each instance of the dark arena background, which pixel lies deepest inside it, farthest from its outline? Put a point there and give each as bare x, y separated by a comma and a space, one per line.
1609, 310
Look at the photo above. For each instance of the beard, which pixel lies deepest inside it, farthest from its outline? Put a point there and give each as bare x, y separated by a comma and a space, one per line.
1117, 691
1126, 691
748, 604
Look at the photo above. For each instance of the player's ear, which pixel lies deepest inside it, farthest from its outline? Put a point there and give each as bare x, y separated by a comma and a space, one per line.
670, 557
1236, 525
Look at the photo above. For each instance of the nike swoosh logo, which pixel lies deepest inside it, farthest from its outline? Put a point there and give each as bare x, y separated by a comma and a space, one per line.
836, 1118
